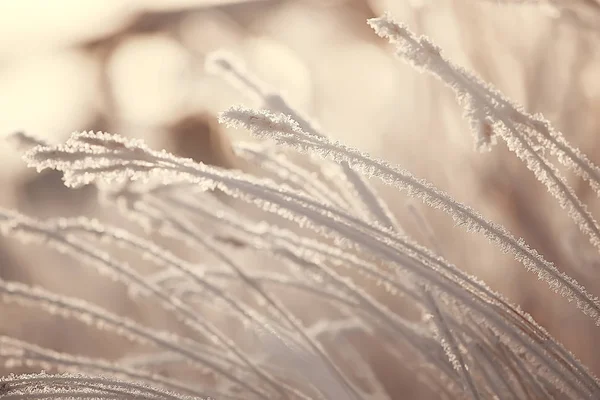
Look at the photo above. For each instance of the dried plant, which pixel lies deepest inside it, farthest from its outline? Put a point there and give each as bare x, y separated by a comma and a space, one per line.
305, 226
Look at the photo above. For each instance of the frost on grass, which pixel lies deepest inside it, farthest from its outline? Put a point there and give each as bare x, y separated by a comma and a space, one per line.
491, 114
324, 239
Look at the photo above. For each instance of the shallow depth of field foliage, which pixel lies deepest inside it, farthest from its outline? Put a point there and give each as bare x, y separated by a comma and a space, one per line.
297, 265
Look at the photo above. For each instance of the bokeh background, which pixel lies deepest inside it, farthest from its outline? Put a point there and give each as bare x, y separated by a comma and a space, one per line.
136, 68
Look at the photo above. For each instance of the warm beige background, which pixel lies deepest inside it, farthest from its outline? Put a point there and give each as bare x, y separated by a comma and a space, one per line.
136, 68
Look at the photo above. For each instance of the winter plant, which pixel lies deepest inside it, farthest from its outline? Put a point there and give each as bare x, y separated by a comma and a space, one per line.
294, 230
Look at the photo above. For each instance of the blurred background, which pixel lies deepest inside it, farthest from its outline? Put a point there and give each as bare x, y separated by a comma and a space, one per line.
136, 68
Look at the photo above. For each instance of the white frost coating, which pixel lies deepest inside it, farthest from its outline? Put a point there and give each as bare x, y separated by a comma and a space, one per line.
490, 113
478, 346
462, 214
226, 65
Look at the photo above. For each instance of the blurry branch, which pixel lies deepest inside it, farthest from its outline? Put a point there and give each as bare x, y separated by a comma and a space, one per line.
165, 21
201, 138
198, 4
25, 141
154, 21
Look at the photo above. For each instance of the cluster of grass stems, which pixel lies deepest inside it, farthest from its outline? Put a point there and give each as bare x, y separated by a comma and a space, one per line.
331, 242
